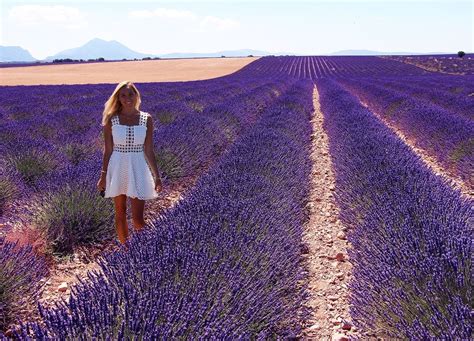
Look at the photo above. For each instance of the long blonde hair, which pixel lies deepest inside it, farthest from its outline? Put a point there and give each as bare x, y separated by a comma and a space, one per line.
113, 105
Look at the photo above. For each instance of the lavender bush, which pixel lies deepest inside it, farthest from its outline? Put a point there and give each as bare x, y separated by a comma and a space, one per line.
20, 272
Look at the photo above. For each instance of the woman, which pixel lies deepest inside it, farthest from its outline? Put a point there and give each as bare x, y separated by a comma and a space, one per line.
129, 165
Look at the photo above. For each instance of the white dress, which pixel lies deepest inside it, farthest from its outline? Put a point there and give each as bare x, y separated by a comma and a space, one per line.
128, 172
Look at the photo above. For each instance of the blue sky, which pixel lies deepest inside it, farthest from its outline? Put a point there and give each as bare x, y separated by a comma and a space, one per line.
301, 27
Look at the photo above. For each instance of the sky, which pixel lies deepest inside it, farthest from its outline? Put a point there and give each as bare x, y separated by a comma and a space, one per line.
301, 27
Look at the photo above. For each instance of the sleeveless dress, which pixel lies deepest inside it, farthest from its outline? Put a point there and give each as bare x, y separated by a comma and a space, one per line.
128, 171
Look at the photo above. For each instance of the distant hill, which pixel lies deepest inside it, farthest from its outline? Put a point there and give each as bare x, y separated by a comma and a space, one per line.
378, 53
96, 48
231, 53
15, 54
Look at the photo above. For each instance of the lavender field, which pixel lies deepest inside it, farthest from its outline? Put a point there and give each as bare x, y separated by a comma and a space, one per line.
226, 261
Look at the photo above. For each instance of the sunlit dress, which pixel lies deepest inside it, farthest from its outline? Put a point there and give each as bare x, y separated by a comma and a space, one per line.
128, 171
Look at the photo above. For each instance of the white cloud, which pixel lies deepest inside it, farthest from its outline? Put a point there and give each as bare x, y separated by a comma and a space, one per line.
68, 17
223, 24
163, 13
207, 23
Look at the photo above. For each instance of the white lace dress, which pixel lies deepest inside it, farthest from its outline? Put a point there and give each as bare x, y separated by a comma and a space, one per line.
128, 172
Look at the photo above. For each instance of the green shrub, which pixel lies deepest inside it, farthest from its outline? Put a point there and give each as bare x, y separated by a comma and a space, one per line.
165, 117
72, 216
169, 163
8, 191
76, 152
31, 164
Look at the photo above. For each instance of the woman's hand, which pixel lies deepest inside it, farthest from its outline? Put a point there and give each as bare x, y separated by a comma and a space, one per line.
101, 183
158, 185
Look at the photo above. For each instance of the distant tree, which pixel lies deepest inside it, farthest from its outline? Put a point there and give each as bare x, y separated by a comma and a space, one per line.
461, 54
250, 55
65, 60
146, 58
222, 56
157, 58
101, 59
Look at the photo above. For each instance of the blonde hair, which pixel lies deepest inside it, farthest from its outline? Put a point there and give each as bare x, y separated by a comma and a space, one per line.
113, 105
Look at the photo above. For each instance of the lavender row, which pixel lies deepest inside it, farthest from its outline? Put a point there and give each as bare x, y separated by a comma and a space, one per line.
410, 232
316, 67
224, 262
446, 136
452, 99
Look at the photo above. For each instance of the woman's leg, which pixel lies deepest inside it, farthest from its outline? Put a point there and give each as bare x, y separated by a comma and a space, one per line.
138, 207
121, 227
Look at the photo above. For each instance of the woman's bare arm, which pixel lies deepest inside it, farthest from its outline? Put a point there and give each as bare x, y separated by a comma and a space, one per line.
149, 150
108, 146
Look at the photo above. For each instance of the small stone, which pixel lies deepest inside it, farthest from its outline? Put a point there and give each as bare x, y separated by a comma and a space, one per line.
340, 257
62, 287
304, 249
315, 326
346, 325
333, 298
332, 187
341, 235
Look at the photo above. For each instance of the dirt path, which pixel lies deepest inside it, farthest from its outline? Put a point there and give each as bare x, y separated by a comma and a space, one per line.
328, 267
165, 70
430, 161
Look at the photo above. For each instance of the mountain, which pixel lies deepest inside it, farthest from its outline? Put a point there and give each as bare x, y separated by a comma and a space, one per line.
15, 54
113, 50
230, 53
96, 48
377, 53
